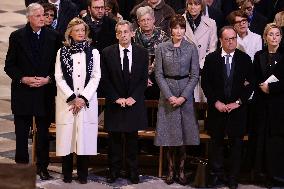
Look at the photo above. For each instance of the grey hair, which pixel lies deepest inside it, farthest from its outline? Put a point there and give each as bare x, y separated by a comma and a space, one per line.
143, 11
123, 22
32, 7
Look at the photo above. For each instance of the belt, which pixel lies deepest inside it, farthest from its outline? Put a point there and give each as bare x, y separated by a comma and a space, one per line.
176, 77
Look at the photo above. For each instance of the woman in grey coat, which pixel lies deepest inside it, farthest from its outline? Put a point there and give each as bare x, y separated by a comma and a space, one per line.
177, 72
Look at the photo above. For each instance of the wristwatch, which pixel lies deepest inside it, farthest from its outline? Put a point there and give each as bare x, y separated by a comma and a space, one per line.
238, 102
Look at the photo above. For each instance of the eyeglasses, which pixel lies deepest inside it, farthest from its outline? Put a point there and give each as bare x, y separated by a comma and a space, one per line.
249, 8
48, 15
99, 8
243, 21
230, 39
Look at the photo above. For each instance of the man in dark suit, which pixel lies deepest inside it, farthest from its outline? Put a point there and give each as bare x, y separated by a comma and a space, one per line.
66, 11
227, 82
256, 21
124, 74
30, 64
102, 30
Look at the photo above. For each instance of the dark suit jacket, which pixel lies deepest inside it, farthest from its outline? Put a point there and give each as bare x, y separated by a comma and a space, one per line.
212, 82
67, 11
20, 62
258, 23
270, 107
132, 118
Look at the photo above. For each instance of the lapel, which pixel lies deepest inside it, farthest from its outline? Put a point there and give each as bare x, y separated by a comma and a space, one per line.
117, 63
220, 65
43, 44
134, 64
201, 29
263, 59
24, 40
189, 35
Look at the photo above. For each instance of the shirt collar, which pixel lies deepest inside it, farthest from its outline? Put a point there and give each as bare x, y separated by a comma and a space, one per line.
122, 48
224, 53
38, 32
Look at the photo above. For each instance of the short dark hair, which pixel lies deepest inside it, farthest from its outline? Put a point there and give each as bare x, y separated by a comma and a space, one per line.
89, 2
48, 7
231, 17
225, 28
177, 20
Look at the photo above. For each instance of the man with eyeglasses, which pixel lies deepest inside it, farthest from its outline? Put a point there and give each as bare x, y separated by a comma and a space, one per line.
227, 82
256, 21
102, 29
248, 41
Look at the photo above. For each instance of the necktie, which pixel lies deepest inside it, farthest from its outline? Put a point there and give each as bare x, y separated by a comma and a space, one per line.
227, 62
126, 75
54, 23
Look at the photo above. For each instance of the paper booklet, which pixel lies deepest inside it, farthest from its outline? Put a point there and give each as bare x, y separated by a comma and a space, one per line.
271, 79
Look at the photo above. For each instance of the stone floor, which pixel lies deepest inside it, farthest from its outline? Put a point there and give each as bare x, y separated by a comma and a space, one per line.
12, 17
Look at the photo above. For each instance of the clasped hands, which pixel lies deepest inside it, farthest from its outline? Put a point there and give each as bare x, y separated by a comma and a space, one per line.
264, 87
35, 81
123, 102
221, 107
176, 101
76, 105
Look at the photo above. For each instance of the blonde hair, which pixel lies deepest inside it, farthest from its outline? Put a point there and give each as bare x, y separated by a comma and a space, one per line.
279, 19
269, 27
74, 22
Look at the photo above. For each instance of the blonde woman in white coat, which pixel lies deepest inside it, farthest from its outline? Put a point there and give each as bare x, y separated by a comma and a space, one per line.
77, 74
201, 31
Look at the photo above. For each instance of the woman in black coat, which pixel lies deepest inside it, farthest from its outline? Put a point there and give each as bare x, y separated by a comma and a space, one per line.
269, 107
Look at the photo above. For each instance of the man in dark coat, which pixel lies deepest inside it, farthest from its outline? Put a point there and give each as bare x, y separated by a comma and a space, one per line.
162, 12
30, 64
227, 82
102, 30
124, 75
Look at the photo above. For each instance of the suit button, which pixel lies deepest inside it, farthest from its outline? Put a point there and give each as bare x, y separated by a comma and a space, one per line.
78, 75
199, 46
77, 89
78, 62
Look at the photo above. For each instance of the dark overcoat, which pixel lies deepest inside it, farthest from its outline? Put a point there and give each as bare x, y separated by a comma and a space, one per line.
213, 79
117, 118
268, 132
20, 63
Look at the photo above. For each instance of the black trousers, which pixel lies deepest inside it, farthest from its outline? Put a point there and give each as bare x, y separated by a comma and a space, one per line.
216, 156
82, 166
115, 155
23, 123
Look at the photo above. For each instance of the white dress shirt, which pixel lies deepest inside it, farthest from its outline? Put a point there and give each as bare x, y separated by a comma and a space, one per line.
223, 54
129, 54
250, 44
